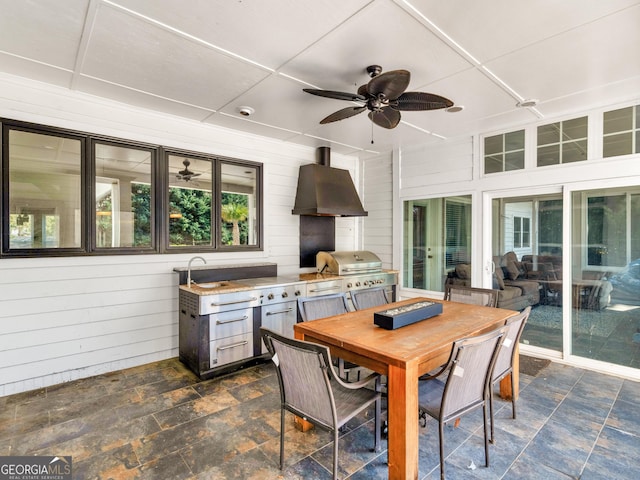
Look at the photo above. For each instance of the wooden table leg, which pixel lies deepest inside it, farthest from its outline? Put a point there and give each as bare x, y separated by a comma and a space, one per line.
402, 413
505, 383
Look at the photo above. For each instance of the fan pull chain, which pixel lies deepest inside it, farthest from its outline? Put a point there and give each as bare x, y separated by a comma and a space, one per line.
372, 133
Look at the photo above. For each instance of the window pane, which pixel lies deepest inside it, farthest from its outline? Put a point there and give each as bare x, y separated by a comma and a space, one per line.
548, 155
618, 120
493, 164
437, 237
239, 209
574, 151
493, 144
574, 129
548, 134
514, 161
44, 191
514, 141
190, 195
621, 144
123, 206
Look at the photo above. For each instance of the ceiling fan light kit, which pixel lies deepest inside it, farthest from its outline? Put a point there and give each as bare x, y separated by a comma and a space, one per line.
385, 97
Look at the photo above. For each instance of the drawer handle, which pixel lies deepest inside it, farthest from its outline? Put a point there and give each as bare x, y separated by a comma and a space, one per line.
280, 312
239, 344
221, 304
222, 322
324, 289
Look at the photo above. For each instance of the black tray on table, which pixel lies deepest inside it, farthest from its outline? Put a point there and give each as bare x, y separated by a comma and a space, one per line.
406, 314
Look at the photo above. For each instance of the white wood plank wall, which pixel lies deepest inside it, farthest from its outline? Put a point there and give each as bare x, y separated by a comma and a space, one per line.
377, 197
71, 317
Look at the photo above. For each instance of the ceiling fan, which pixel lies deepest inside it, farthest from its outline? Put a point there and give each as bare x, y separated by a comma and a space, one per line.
186, 174
384, 96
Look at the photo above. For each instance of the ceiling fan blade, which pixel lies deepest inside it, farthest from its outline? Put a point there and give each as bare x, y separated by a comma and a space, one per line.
342, 114
390, 84
385, 118
415, 101
353, 97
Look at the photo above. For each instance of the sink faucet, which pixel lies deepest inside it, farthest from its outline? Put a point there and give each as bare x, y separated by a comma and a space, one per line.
189, 269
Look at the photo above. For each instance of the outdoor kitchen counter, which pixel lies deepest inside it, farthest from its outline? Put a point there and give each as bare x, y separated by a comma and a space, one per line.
225, 287
318, 277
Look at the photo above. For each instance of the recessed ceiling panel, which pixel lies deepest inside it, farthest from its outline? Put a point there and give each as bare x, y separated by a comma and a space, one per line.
34, 70
45, 31
281, 102
140, 99
268, 32
584, 58
382, 34
148, 58
492, 28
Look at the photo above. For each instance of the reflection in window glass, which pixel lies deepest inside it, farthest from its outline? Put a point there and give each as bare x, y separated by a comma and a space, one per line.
562, 142
621, 132
44, 191
437, 237
239, 212
607, 230
190, 184
123, 205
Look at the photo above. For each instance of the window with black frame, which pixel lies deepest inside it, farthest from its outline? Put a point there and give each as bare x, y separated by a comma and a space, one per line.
73, 193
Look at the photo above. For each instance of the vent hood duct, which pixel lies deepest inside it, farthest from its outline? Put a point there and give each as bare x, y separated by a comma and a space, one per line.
326, 191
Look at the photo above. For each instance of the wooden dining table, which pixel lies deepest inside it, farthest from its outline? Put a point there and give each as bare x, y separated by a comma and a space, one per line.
403, 355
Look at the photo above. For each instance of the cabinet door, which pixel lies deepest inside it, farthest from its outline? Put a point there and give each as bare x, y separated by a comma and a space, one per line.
280, 318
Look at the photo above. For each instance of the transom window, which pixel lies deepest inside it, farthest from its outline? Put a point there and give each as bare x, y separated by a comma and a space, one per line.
621, 132
504, 152
562, 142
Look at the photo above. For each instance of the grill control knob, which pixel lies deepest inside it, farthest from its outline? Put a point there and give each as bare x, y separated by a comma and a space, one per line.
270, 296
357, 284
380, 281
297, 293
285, 294
349, 285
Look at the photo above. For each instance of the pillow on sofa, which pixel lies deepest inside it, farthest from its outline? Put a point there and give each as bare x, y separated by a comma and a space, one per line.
512, 270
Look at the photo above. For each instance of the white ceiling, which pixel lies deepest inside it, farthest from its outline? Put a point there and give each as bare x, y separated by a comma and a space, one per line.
203, 59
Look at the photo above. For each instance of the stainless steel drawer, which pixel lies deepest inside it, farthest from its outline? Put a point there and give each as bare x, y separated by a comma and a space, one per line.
227, 324
231, 349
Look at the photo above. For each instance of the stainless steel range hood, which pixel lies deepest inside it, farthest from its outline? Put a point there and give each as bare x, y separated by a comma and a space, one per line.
326, 191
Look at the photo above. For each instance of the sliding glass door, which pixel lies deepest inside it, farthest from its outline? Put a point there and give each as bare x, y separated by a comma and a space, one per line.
527, 263
605, 258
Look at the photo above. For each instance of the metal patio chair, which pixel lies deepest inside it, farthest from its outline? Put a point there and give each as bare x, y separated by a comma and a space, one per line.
504, 362
311, 389
469, 373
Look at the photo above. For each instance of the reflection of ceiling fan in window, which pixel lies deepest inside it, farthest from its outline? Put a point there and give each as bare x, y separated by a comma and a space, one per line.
186, 174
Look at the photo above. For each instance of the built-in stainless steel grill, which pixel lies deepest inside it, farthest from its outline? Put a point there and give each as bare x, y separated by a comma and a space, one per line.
348, 263
359, 269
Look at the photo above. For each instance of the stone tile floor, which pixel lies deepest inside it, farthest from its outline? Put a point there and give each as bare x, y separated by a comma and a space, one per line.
158, 421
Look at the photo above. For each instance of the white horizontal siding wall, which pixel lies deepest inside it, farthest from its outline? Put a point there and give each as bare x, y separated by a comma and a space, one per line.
377, 197
72, 317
